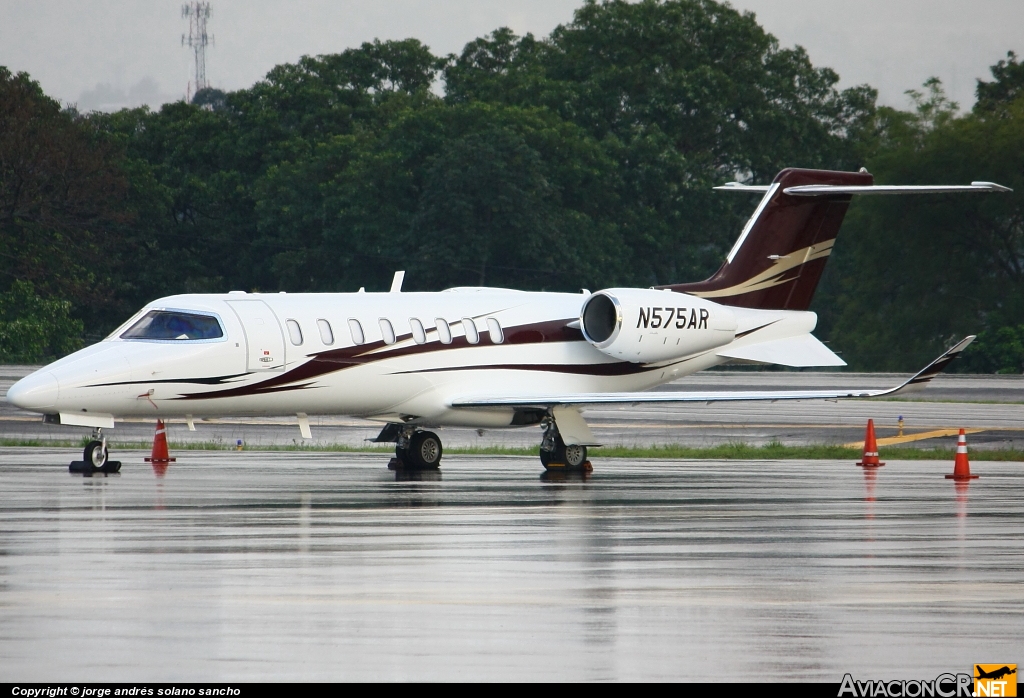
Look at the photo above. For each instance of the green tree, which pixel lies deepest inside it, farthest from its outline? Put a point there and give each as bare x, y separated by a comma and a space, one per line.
706, 75
1008, 86
683, 94
208, 181
999, 350
210, 98
912, 273
34, 329
63, 199
446, 193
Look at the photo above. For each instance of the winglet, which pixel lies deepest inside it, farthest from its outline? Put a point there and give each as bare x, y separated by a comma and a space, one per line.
990, 186
933, 369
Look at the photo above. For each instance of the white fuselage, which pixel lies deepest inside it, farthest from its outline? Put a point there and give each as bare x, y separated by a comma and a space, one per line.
261, 366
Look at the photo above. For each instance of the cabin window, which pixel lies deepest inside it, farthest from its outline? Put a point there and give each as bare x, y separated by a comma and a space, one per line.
472, 336
387, 331
326, 333
174, 324
444, 332
294, 332
418, 333
357, 331
494, 330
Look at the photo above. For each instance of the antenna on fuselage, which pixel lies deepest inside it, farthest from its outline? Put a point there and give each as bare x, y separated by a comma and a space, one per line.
396, 283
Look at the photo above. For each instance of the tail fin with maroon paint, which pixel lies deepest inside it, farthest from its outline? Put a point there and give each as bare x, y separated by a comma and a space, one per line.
778, 259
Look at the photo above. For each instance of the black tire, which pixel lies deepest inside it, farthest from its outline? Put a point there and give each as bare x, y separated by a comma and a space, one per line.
555, 457
547, 457
567, 457
95, 454
425, 450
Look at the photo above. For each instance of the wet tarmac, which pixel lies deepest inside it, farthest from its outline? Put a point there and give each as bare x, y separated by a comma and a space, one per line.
282, 566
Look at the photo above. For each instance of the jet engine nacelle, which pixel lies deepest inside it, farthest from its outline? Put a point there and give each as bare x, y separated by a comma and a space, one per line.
646, 325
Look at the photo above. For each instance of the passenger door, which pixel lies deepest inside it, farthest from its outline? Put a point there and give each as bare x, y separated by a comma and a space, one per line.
263, 336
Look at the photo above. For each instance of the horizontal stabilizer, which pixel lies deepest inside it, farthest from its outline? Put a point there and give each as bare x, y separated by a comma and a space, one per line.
837, 190
801, 351
831, 190
780, 254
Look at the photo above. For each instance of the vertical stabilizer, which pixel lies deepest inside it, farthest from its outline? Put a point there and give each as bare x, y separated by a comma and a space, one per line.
778, 259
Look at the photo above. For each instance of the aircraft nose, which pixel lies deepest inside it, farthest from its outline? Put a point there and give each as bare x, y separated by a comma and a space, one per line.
37, 392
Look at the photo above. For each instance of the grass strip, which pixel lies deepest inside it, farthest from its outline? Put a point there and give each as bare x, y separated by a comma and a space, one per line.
729, 451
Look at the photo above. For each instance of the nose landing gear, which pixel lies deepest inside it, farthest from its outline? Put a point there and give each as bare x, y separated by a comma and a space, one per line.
95, 454
95, 457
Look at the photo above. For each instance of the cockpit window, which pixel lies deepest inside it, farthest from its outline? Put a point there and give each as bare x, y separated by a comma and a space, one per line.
174, 324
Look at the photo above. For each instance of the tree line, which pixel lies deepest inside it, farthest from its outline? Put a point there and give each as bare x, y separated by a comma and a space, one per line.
582, 159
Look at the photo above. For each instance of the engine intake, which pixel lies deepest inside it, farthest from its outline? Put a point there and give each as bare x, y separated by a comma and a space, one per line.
600, 319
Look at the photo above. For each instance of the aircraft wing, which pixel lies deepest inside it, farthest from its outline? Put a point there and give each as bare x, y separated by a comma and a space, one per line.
917, 382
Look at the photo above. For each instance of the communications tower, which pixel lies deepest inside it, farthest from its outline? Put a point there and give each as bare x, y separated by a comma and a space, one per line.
197, 40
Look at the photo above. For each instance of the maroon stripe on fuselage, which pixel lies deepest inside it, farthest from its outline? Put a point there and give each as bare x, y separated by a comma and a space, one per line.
334, 360
610, 369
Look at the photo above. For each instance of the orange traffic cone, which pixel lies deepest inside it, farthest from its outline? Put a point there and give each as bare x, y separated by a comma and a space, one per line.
961, 466
870, 457
160, 454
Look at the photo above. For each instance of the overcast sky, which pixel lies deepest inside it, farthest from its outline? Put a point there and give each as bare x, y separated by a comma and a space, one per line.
112, 53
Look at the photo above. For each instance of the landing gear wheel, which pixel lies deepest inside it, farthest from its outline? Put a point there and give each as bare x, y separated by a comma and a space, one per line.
95, 454
547, 458
575, 456
562, 457
424, 450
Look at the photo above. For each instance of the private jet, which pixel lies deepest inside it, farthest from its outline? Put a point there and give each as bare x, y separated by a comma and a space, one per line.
477, 357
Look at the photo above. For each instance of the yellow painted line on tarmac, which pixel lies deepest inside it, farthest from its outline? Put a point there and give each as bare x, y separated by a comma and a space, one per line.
920, 436
787, 425
625, 424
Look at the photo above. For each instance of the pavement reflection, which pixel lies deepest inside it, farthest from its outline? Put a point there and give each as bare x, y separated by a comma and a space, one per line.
278, 566
413, 475
870, 480
558, 477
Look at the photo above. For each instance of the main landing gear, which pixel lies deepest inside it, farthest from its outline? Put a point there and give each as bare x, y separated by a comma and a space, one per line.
414, 449
420, 450
557, 456
95, 457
